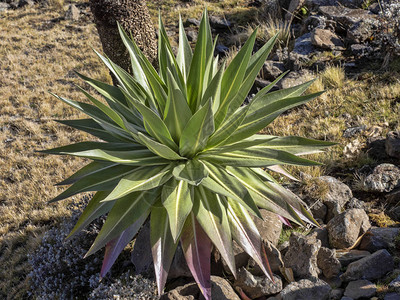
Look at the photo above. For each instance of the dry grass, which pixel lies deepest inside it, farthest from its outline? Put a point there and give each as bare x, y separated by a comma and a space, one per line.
37, 55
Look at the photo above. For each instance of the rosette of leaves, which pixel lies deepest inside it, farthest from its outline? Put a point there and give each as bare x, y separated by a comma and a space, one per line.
180, 148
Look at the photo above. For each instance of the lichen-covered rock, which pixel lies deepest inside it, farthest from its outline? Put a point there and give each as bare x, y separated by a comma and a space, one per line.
384, 178
302, 255
328, 263
392, 144
371, 267
257, 286
344, 229
379, 238
326, 39
306, 289
270, 227
360, 289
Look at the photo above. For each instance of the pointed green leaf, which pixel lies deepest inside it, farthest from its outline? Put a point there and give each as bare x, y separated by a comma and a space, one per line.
143, 178
176, 197
126, 211
193, 172
159, 149
210, 212
184, 57
198, 130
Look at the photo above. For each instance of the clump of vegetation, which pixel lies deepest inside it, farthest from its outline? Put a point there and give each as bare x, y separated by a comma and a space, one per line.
182, 150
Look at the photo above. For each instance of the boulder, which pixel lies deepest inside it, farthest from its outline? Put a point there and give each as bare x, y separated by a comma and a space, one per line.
272, 69
328, 263
321, 233
306, 289
302, 255
326, 39
348, 257
384, 178
379, 238
257, 286
222, 290
392, 144
371, 267
336, 196
344, 229
270, 227
360, 289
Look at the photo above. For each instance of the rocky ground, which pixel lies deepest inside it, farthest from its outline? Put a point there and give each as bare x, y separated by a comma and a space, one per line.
355, 254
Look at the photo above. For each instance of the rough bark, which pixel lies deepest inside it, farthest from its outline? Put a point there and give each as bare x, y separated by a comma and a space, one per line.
134, 17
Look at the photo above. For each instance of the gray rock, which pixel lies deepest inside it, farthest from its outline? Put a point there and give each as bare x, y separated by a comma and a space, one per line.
394, 213
336, 294
344, 229
392, 144
355, 203
4, 6
272, 69
345, 16
222, 290
294, 78
23, 3
191, 35
193, 21
370, 268
361, 31
384, 178
274, 259
395, 284
318, 3
351, 3
347, 258
302, 255
219, 23
360, 289
303, 49
379, 238
73, 13
270, 228
257, 286
322, 235
315, 21
306, 289
346, 298
336, 197
328, 263
326, 39
392, 296
318, 209
361, 50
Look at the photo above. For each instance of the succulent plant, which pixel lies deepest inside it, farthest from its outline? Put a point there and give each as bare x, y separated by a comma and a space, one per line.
179, 147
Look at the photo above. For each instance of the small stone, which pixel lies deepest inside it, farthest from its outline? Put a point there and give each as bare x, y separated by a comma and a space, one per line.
345, 228
191, 35
302, 51
370, 268
392, 144
336, 294
361, 50
257, 286
384, 178
347, 258
361, 31
302, 255
4, 6
23, 3
328, 262
193, 21
395, 284
219, 23
272, 69
379, 238
306, 289
326, 39
73, 13
293, 79
222, 50
270, 227
394, 213
355, 203
360, 289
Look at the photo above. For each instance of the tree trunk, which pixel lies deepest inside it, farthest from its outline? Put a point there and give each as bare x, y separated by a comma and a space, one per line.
134, 17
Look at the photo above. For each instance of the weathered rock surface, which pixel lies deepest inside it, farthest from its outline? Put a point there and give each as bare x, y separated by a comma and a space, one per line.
328, 263
379, 238
392, 144
347, 258
272, 69
392, 296
344, 229
384, 178
294, 78
326, 39
257, 286
241, 258
336, 196
274, 258
370, 268
219, 23
336, 294
306, 289
270, 228
345, 16
361, 31
302, 255
395, 284
322, 235
360, 289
